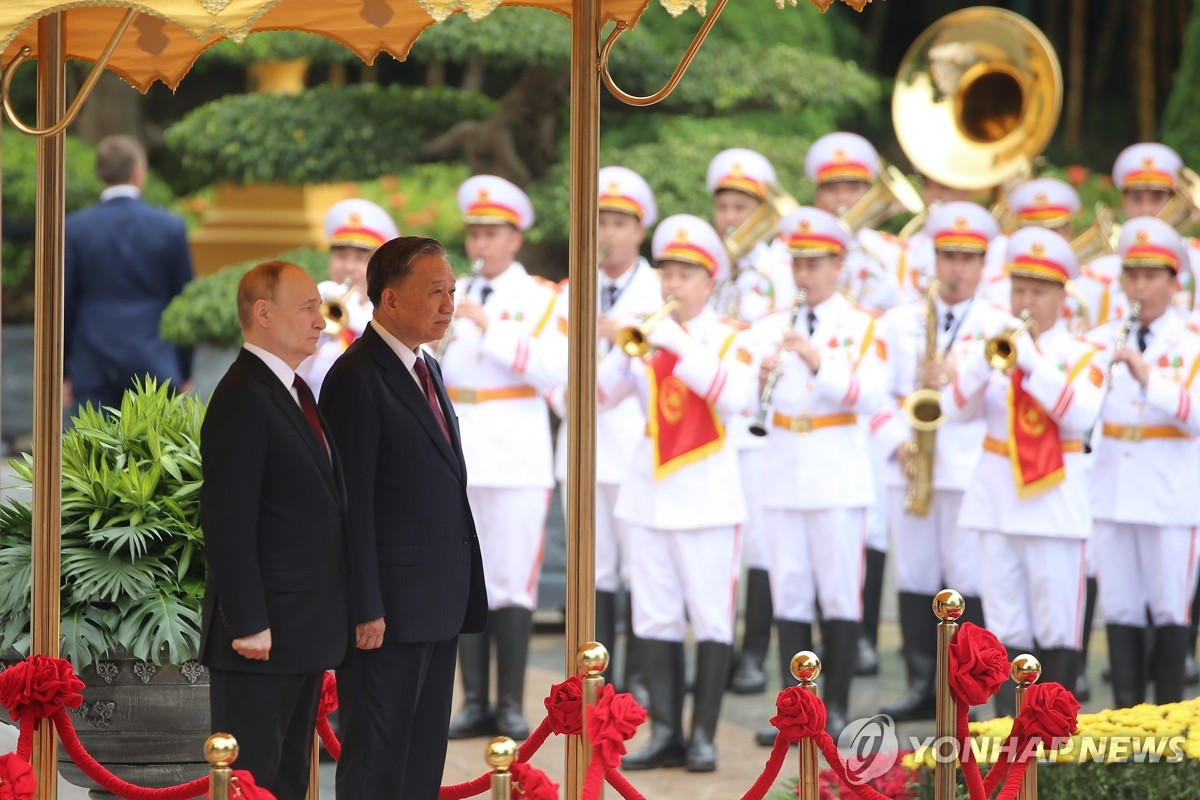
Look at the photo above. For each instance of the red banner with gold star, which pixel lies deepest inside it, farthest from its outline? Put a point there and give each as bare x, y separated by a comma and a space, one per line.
1034, 446
683, 428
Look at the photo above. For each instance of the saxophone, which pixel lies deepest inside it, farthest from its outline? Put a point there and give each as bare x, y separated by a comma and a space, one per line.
923, 410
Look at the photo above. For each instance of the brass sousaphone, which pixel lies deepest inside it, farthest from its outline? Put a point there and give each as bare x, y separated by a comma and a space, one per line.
977, 98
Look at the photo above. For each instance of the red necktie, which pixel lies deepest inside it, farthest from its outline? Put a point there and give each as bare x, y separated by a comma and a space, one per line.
427, 387
308, 404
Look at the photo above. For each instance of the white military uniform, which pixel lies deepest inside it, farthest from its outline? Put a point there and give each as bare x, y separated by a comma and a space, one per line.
497, 380
1033, 539
1147, 466
684, 520
354, 223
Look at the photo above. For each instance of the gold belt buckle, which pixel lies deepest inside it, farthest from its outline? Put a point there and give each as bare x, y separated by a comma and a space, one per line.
1131, 433
802, 424
468, 396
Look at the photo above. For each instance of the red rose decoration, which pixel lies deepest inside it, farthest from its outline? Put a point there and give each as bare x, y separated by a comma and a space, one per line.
1049, 713
564, 706
1076, 174
329, 695
801, 714
611, 722
39, 686
534, 784
978, 665
16, 778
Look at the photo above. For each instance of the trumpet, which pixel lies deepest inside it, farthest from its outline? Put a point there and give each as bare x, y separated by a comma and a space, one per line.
1001, 350
334, 311
634, 339
476, 269
759, 426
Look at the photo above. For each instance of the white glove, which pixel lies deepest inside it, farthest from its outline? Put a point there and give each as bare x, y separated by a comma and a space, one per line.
668, 335
1028, 356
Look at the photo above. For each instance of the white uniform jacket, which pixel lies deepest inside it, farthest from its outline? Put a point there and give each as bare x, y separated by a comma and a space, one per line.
329, 347
958, 441
716, 365
1146, 464
874, 266
618, 429
758, 283
1064, 384
816, 457
498, 379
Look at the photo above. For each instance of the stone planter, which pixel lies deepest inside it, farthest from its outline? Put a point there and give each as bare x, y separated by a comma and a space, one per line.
208, 367
145, 724
16, 385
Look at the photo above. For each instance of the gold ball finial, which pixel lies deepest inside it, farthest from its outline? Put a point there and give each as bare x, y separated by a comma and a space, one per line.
592, 658
501, 752
1026, 669
806, 666
221, 749
948, 605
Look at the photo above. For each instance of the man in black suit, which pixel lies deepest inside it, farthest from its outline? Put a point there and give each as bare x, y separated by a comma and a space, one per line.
273, 509
414, 556
124, 261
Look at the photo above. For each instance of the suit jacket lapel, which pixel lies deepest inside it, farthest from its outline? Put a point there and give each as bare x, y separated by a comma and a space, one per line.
435, 373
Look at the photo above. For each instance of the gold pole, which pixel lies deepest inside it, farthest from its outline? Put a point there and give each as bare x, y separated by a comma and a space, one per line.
314, 771
1025, 671
220, 750
581, 372
591, 660
806, 667
47, 376
501, 752
948, 606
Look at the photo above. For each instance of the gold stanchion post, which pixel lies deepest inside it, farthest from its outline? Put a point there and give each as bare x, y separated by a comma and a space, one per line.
591, 660
220, 751
314, 771
1025, 671
948, 606
806, 667
501, 753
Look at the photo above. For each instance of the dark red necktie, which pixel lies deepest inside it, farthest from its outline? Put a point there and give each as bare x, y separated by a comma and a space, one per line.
308, 404
430, 396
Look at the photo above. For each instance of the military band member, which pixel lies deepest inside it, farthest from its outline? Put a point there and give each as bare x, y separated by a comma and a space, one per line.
629, 290
355, 229
815, 516
681, 500
1029, 494
738, 181
508, 348
1144, 478
931, 550
843, 166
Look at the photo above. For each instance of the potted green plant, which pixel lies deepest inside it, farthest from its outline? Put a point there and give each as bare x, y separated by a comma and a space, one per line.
132, 583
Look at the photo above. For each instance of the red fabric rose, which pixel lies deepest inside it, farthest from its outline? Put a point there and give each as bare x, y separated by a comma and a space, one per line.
534, 784
801, 714
564, 706
1049, 712
329, 695
611, 722
978, 665
39, 686
16, 778
242, 785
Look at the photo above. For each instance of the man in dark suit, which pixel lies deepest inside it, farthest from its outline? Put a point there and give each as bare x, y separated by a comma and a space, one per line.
414, 556
125, 260
273, 509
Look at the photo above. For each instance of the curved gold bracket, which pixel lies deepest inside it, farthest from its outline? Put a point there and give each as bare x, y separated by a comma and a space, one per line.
676, 76
85, 90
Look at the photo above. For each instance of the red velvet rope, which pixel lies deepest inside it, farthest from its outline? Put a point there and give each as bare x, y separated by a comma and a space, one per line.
17, 781
978, 667
532, 783
766, 779
624, 788
612, 721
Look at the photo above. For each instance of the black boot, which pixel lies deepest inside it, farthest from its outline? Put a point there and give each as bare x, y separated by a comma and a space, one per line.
1170, 653
1059, 665
748, 676
474, 663
512, 628
866, 660
1083, 687
1191, 675
919, 629
1005, 700
793, 637
606, 623
1126, 665
837, 671
631, 676
666, 747
712, 666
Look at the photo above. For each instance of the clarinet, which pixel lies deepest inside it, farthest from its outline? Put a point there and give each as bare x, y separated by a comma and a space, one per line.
759, 427
476, 268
